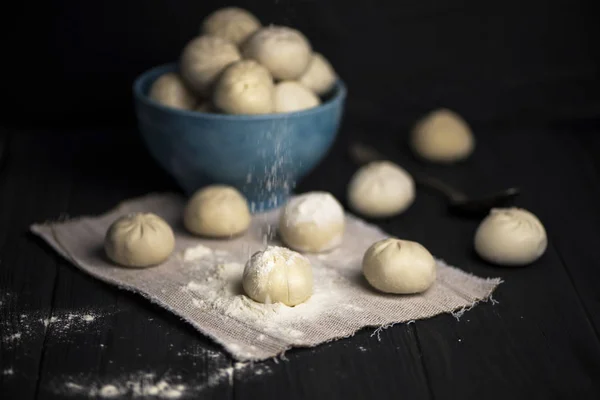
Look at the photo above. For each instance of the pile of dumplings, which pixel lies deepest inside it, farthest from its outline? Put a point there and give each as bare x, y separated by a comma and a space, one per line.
382, 189
237, 66
313, 222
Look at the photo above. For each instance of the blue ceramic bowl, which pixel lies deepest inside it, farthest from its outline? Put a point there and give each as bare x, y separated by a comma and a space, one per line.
261, 155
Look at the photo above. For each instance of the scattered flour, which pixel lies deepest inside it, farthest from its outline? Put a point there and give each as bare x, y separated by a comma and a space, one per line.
196, 253
141, 384
61, 325
194, 286
223, 293
74, 386
109, 391
202, 353
49, 321
145, 384
229, 271
197, 259
243, 370
13, 337
352, 307
198, 303
70, 322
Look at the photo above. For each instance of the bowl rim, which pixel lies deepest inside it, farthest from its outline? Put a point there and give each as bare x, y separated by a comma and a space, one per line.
339, 95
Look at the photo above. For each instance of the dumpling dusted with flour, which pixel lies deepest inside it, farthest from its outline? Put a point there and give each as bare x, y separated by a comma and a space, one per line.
278, 275
511, 237
139, 240
312, 222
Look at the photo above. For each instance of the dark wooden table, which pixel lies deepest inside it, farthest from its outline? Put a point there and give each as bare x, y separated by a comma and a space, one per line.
540, 341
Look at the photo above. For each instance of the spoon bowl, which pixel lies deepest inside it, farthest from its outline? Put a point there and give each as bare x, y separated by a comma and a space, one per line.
481, 206
458, 202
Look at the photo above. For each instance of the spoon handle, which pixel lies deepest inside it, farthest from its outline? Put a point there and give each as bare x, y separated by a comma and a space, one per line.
453, 195
362, 154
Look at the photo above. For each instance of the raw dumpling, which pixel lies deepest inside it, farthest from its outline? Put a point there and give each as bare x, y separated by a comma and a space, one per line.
511, 237
285, 52
231, 23
292, 96
319, 76
381, 189
139, 240
443, 137
217, 211
203, 59
399, 266
246, 87
169, 90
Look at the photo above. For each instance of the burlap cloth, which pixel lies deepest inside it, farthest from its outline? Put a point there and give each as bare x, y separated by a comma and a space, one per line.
206, 291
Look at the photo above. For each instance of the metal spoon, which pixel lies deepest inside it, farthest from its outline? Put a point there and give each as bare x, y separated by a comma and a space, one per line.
458, 202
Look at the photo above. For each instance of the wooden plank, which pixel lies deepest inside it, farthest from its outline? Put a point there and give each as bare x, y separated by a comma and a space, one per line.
537, 342
27, 270
131, 346
141, 338
363, 366
566, 194
583, 218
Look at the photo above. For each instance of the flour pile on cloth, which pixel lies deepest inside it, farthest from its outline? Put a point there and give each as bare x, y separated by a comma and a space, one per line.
201, 282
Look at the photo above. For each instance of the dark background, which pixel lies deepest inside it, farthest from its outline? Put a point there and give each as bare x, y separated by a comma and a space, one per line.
523, 73
72, 63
